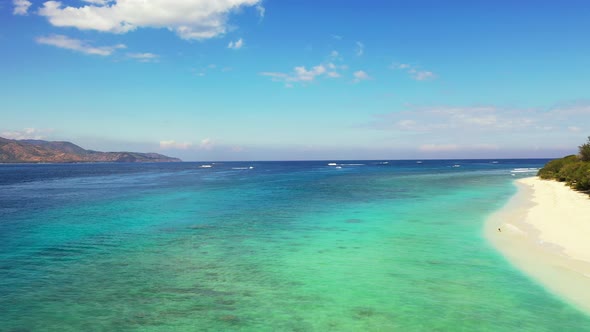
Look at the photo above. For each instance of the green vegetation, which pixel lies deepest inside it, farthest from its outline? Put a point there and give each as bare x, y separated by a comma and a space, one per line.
585, 150
573, 170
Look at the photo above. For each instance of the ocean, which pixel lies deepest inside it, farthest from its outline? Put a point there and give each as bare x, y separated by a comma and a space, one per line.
265, 246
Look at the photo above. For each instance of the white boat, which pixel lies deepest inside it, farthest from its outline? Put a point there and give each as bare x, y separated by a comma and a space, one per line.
332, 164
205, 166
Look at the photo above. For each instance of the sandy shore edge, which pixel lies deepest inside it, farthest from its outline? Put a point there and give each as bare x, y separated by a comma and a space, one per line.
544, 230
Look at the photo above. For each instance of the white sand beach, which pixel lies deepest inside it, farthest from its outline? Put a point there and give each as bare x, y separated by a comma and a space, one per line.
544, 230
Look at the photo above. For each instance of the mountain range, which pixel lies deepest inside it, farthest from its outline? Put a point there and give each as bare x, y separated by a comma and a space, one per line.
38, 151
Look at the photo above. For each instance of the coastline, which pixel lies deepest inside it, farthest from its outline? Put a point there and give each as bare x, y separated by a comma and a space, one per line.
544, 233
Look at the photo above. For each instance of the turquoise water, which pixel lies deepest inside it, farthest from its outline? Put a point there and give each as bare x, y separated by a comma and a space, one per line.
297, 246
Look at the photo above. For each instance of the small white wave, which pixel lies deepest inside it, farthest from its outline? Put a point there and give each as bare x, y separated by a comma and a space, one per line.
524, 170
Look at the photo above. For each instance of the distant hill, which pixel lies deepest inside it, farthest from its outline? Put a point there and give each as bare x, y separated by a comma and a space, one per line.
38, 151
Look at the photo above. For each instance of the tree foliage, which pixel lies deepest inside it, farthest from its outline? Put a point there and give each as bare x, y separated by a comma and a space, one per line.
573, 170
585, 150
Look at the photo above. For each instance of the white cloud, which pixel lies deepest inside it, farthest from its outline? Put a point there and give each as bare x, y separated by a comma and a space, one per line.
66, 42
406, 124
173, 145
485, 128
572, 110
488, 147
332, 67
99, 2
206, 144
360, 75
236, 45
21, 7
261, 11
360, 48
210, 69
190, 19
144, 57
277, 76
414, 72
27, 133
478, 118
421, 75
301, 74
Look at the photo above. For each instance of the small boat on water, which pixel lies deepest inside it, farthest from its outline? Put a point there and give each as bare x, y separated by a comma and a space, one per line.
205, 166
332, 164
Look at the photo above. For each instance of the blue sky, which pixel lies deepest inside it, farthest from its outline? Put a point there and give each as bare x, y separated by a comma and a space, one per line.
297, 79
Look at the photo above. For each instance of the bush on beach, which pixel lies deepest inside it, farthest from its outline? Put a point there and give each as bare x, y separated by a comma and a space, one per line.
574, 170
585, 150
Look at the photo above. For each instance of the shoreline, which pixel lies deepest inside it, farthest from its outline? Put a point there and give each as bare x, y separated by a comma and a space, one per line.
545, 232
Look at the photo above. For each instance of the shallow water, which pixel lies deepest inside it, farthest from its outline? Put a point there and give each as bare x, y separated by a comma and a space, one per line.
285, 246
